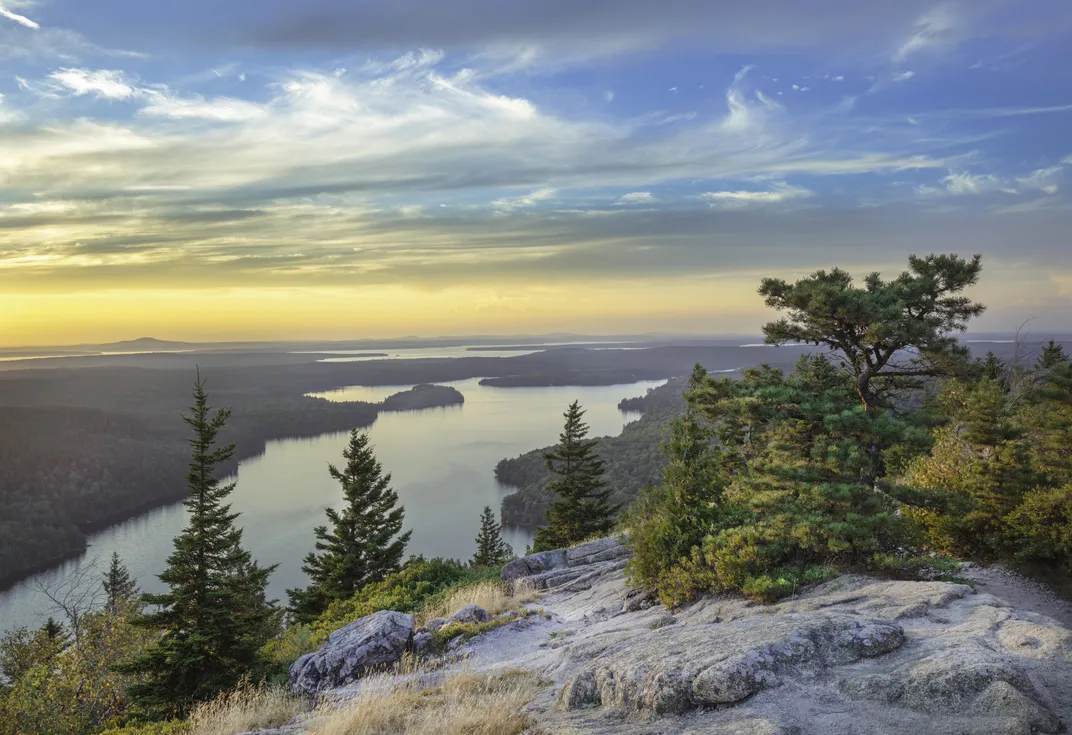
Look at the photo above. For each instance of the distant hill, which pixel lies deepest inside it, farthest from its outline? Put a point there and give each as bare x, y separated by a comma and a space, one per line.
143, 344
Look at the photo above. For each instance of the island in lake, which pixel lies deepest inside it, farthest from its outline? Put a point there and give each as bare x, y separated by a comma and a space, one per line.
423, 396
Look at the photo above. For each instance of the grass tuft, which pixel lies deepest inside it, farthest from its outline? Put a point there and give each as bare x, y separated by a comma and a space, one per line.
245, 708
463, 704
493, 596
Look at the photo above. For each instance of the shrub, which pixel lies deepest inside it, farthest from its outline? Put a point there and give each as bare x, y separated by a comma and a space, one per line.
1042, 526
794, 492
405, 591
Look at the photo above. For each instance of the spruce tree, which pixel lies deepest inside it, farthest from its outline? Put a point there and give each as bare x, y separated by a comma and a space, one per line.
583, 507
491, 550
363, 543
1052, 354
213, 619
119, 586
55, 632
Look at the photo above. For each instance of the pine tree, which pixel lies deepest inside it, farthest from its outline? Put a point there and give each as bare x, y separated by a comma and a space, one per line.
213, 619
582, 509
491, 550
363, 543
1052, 354
119, 586
888, 333
55, 632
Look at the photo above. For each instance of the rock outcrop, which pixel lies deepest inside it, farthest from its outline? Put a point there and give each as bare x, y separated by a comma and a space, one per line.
853, 656
711, 664
578, 566
370, 643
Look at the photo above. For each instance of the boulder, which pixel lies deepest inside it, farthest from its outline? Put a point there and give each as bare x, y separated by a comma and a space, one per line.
422, 641
639, 600
526, 566
372, 642
469, 614
435, 624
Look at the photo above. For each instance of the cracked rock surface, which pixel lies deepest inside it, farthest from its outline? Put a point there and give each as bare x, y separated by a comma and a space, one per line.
853, 656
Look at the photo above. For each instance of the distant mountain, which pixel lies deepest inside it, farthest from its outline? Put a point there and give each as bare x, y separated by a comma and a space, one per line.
144, 343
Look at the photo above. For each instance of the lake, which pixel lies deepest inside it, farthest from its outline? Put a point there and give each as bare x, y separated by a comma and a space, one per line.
442, 462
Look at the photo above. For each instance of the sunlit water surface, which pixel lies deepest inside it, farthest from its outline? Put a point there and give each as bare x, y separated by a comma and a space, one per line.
442, 462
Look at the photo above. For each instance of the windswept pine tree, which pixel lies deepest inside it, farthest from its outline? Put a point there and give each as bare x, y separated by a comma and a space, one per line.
363, 543
887, 334
214, 617
491, 550
583, 507
119, 586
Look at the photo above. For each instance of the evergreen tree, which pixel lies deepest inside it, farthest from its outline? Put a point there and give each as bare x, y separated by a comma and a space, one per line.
669, 520
363, 543
119, 586
213, 619
491, 550
1052, 355
582, 509
982, 461
993, 368
888, 333
54, 632
802, 496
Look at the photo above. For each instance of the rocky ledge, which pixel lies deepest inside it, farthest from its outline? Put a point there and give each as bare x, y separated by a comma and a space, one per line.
852, 656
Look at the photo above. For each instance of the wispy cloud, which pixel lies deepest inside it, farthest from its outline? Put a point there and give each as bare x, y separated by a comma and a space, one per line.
506, 204
22, 20
636, 197
934, 28
779, 193
104, 83
220, 109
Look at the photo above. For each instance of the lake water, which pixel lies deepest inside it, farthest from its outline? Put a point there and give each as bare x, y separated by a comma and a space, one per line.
442, 462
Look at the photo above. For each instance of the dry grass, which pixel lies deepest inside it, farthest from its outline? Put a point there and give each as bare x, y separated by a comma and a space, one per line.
492, 596
464, 704
245, 708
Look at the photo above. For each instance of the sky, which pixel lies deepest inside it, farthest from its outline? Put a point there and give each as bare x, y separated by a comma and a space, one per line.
368, 168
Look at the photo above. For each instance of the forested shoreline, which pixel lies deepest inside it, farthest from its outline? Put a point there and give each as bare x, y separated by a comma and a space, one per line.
87, 447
